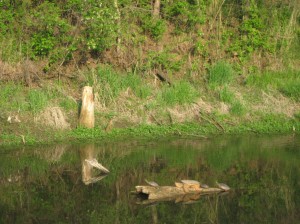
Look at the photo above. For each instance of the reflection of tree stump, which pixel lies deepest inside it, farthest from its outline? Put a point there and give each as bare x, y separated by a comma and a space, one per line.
86, 117
86, 152
88, 162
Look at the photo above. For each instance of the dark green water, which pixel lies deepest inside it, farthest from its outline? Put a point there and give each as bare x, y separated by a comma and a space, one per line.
45, 185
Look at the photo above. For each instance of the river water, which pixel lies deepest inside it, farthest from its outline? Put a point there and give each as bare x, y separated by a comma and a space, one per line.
54, 184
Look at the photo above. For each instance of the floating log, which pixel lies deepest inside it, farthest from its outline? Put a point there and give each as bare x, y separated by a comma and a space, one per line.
180, 189
86, 117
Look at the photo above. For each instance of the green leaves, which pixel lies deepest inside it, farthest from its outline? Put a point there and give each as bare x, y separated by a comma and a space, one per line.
185, 14
100, 25
42, 44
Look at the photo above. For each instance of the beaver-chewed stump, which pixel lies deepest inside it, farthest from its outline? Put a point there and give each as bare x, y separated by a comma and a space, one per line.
172, 192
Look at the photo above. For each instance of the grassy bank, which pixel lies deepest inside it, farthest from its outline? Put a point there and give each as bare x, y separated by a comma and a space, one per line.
190, 68
266, 126
129, 106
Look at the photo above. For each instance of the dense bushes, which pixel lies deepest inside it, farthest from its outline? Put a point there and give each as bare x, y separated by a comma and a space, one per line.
55, 30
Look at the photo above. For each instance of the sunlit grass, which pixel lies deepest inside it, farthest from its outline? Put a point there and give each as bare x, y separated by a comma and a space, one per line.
110, 84
180, 93
226, 95
220, 73
287, 82
237, 108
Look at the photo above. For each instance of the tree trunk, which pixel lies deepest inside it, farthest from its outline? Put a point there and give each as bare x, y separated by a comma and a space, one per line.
87, 118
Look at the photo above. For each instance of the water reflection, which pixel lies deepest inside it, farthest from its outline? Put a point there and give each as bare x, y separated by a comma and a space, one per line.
263, 172
88, 163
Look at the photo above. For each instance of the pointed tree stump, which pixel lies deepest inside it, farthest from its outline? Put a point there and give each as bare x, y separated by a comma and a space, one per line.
87, 117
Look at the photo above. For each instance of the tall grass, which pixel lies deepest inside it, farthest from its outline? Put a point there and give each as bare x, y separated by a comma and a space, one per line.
287, 82
12, 50
180, 93
237, 108
291, 89
110, 84
38, 99
12, 97
220, 73
15, 97
226, 95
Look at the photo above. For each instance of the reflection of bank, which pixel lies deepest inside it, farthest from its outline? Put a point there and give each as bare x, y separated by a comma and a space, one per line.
88, 162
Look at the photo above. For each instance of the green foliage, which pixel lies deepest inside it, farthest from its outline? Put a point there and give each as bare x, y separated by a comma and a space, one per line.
100, 25
135, 83
185, 14
181, 92
6, 19
48, 28
200, 49
163, 61
42, 44
254, 30
220, 73
154, 27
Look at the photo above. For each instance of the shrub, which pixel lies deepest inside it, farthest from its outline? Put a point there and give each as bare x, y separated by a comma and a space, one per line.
154, 27
6, 19
185, 15
42, 44
100, 25
164, 61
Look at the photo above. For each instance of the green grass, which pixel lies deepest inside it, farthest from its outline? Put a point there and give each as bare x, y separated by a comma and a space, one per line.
287, 82
68, 104
181, 92
220, 73
267, 123
226, 95
291, 89
237, 108
37, 99
12, 97
110, 84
